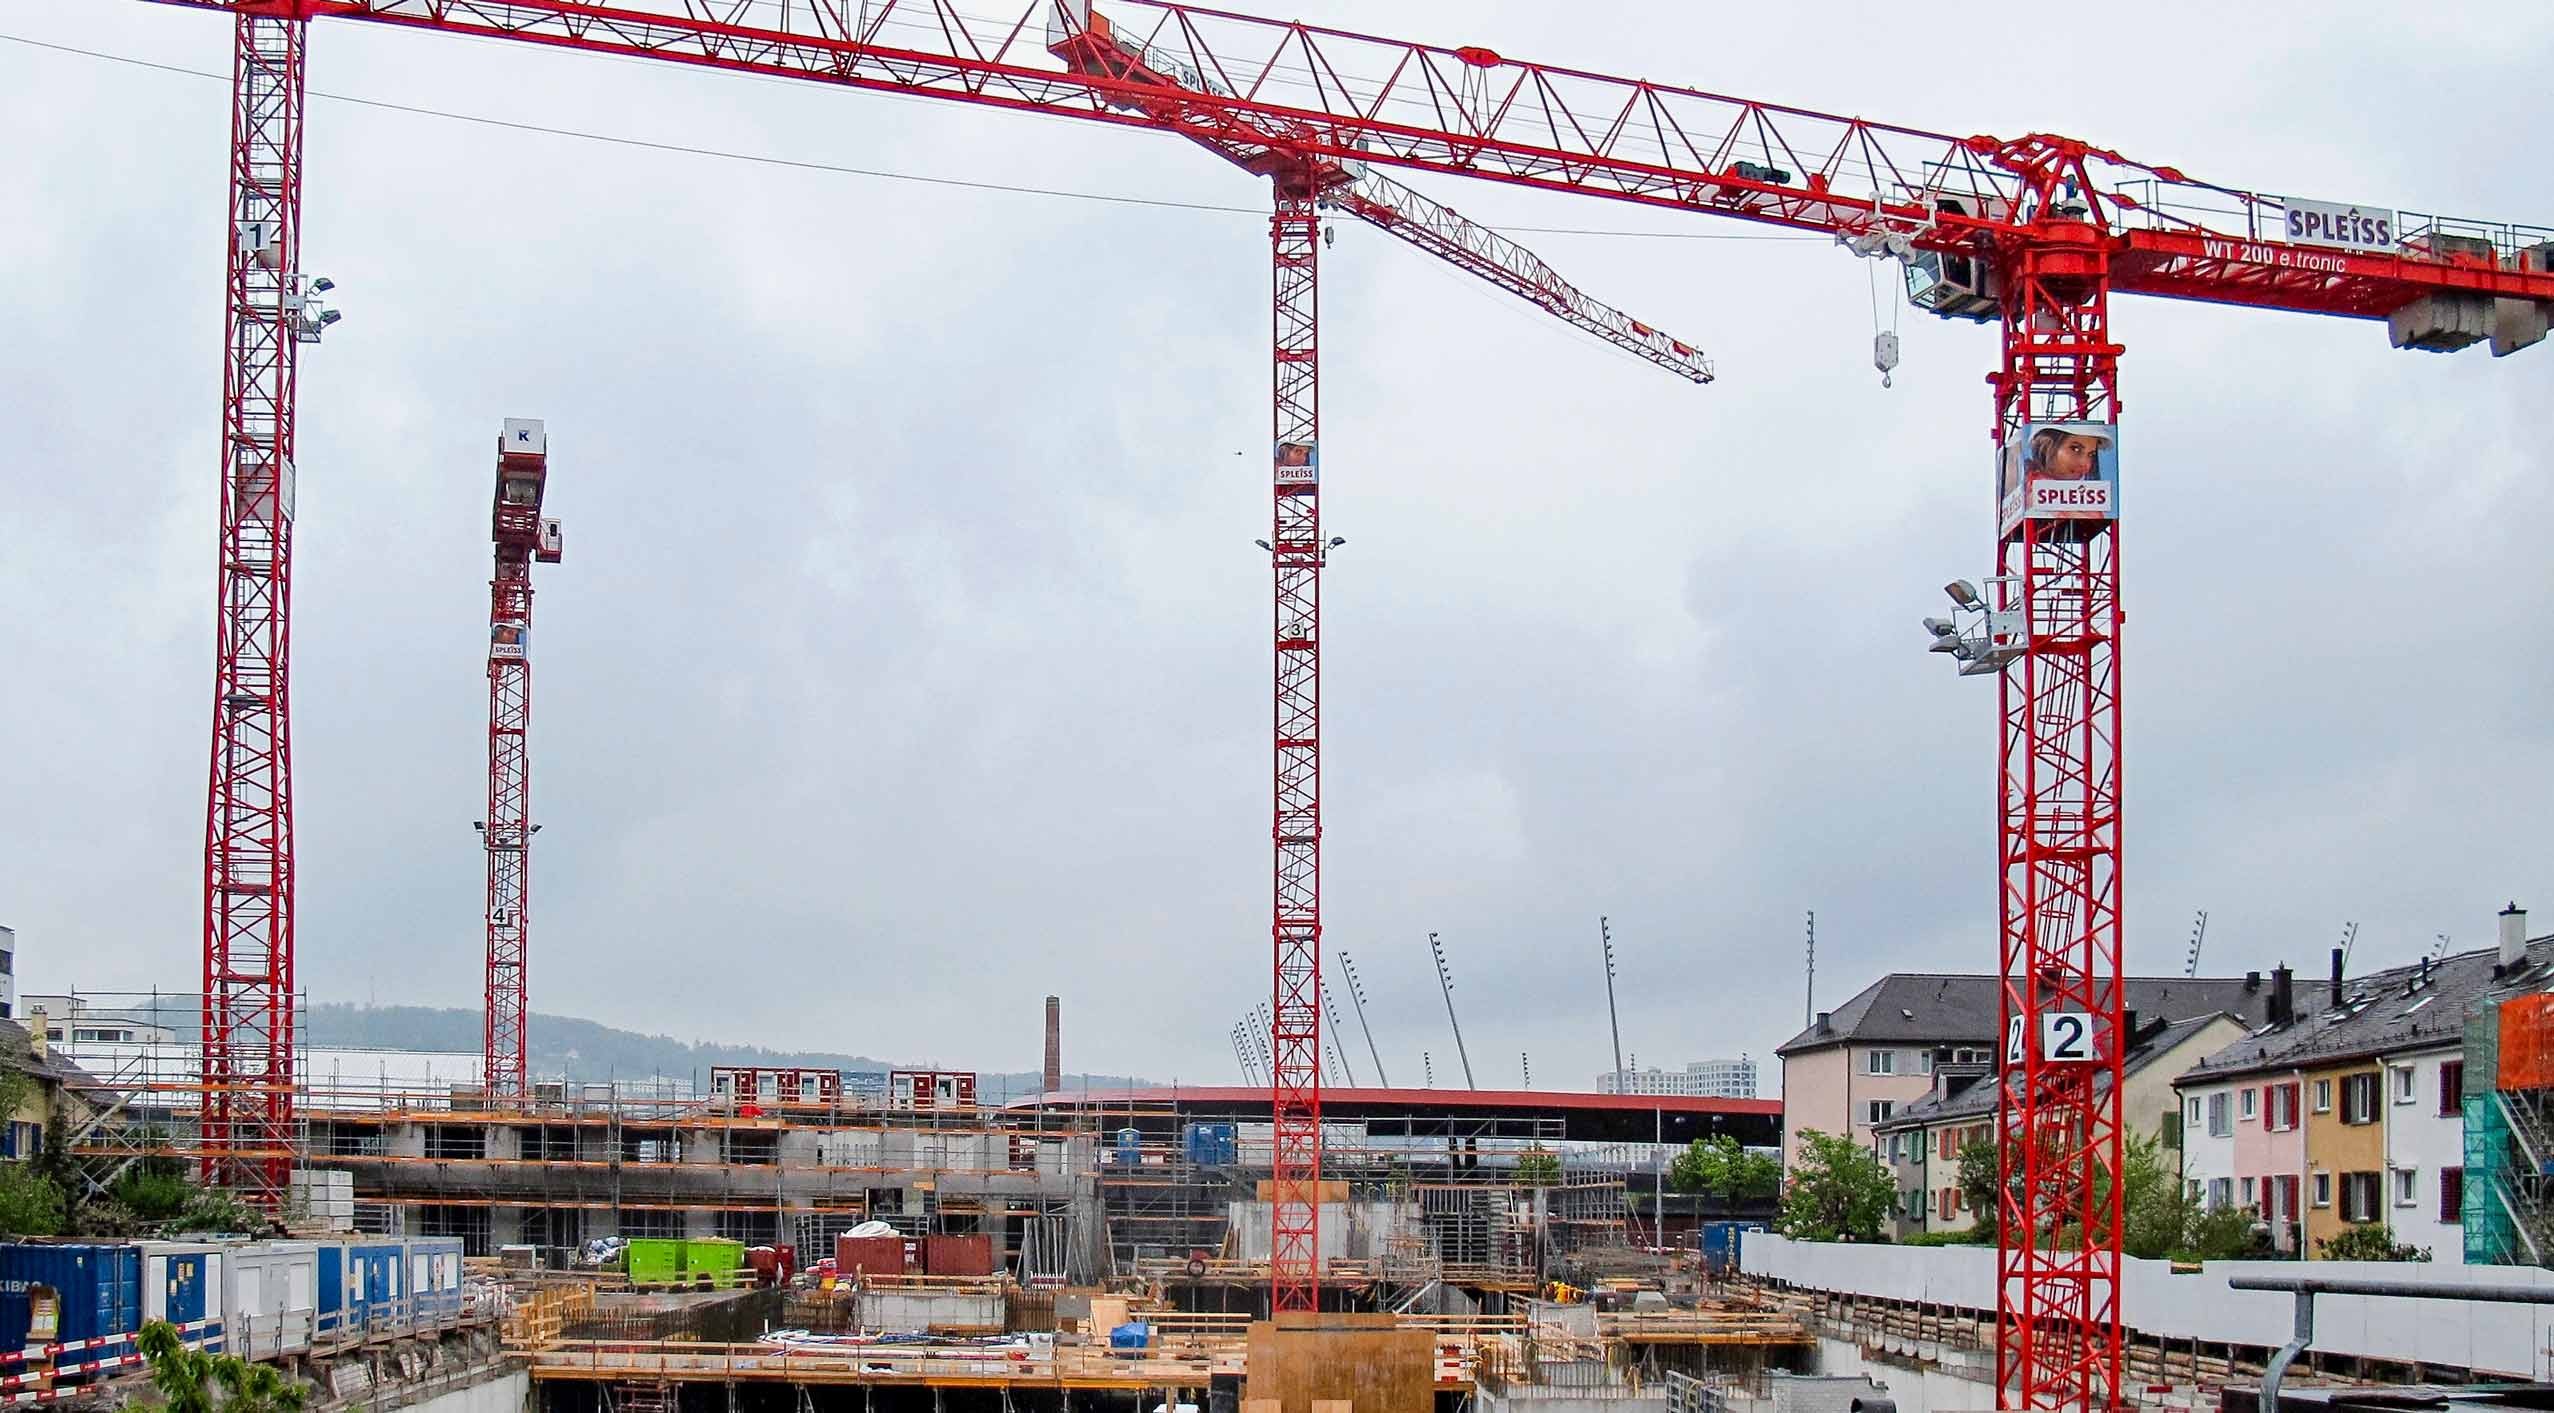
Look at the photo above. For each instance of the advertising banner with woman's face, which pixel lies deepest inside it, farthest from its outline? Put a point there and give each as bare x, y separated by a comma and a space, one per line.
2059, 471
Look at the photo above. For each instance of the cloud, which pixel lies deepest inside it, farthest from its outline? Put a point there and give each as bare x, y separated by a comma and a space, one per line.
910, 656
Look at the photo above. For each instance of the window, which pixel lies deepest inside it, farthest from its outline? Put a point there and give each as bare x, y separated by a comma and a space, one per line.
2221, 1120
1877, 1111
2248, 1192
2283, 1107
2451, 1088
2452, 1195
2323, 1189
2221, 1192
2283, 1198
1943, 1199
2359, 1099
2194, 1112
2248, 1104
1948, 1144
1897, 1147
2402, 1083
1924, 1062
1880, 1062
2323, 1096
2407, 1187
2359, 1193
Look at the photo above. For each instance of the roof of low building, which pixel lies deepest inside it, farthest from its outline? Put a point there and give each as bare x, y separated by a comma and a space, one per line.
2381, 1012
19, 1047
1947, 1008
1978, 1100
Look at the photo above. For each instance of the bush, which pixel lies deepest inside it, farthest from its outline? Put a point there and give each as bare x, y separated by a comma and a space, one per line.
1980, 1235
2368, 1241
153, 1195
30, 1203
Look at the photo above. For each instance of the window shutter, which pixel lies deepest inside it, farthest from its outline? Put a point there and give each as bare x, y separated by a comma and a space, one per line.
2452, 1195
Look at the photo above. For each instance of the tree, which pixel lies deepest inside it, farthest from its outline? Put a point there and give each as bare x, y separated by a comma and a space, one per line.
30, 1202
1535, 1167
186, 1378
1722, 1166
1977, 1185
2368, 1241
1838, 1192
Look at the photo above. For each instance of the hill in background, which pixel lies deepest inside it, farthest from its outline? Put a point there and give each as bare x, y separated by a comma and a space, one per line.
585, 1050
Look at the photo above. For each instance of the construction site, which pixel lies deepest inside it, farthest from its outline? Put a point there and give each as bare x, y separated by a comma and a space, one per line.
801, 1238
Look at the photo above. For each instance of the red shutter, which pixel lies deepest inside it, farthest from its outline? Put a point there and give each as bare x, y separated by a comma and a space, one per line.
2451, 1087
1947, 1196
2452, 1195
1949, 1150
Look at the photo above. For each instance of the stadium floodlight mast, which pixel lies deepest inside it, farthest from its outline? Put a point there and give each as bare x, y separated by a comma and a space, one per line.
1978, 636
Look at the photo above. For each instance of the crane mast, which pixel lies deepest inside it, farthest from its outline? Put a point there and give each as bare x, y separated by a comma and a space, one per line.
2057, 1303
522, 536
246, 1132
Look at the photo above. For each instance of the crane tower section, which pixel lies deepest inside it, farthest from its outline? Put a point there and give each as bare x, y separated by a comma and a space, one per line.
2056, 595
246, 1122
522, 535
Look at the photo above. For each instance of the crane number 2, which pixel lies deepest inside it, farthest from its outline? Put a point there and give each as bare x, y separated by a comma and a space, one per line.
2066, 1037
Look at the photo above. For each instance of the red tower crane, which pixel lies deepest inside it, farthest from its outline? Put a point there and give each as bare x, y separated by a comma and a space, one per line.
2036, 234
522, 534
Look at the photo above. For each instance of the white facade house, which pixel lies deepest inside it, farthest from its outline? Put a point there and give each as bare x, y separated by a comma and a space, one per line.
2208, 1142
2425, 1150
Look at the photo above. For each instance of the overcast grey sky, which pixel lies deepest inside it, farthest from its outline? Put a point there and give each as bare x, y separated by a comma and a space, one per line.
909, 660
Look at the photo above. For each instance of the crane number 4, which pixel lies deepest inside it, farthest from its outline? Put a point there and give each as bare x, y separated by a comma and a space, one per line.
2066, 1037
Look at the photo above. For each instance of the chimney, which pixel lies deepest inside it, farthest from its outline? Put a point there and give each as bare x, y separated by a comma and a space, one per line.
1054, 1075
2336, 978
2283, 995
2128, 1030
2513, 937
2252, 981
1823, 1027
36, 1020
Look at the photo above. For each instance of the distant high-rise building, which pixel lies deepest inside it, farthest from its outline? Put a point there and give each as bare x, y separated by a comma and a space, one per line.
1700, 1079
8, 973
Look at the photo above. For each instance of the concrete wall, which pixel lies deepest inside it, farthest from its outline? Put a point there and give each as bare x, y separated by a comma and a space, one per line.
1814, 1094
2424, 1142
506, 1393
1350, 1231
2155, 1302
904, 1312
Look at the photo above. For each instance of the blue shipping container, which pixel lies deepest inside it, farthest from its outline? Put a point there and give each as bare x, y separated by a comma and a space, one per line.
434, 1279
1213, 1145
55, 1294
1130, 1148
182, 1284
375, 1294
1719, 1242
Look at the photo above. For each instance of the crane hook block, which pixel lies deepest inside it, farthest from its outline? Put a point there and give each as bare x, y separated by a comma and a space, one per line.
1884, 354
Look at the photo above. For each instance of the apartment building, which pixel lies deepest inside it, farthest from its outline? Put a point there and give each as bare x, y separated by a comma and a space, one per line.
2345, 1108
1921, 1143
1858, 1065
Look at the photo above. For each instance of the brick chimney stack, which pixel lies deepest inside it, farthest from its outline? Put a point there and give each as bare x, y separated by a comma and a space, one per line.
1054, 1075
